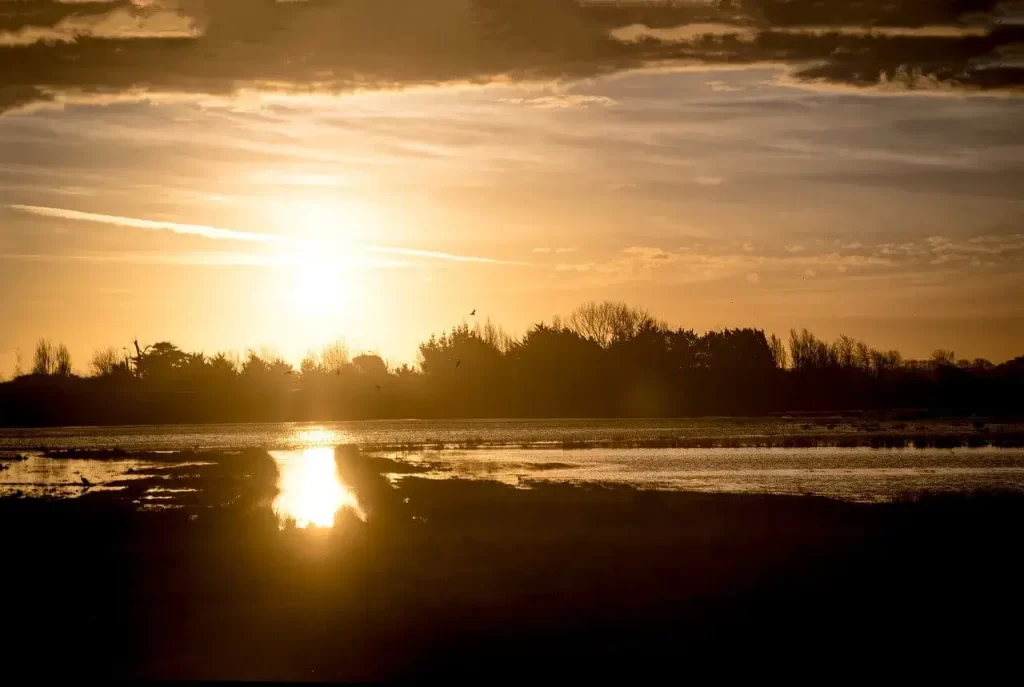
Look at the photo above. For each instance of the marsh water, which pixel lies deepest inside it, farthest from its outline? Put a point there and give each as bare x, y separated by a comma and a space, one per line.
850, 459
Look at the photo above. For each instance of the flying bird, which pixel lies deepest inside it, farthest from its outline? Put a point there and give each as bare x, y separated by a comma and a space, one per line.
457, 363
289, 372
86, 483
378, 387
472, 314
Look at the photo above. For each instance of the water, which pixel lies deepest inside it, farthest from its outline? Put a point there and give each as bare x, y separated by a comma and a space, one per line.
290, 436
310, 491
37, 476
520, 453
855, 474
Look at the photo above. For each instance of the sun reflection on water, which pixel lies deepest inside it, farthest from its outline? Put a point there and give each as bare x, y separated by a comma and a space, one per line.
309, 490
318, 437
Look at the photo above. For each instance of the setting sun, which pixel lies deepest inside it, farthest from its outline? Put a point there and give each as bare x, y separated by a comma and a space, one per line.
324, 293
318, 287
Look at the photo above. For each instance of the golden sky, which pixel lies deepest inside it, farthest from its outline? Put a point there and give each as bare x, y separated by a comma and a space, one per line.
228, 175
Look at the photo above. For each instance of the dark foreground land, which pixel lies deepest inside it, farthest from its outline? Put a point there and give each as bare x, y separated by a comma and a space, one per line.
475, 579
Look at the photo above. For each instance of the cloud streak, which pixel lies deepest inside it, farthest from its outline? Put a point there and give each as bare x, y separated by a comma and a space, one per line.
150, 225
223, 234
438, 255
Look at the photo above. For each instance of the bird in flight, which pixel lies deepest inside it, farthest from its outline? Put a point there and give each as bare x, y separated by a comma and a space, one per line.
472, 314
86, 483
378, 387
457, 363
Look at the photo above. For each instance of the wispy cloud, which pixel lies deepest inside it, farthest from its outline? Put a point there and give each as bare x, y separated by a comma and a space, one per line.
562, 102
203, 230
202, 259
220, 233
438, 255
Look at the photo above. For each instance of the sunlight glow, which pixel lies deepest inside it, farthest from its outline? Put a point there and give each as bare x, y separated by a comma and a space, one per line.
318, 286
310, 492
324, 282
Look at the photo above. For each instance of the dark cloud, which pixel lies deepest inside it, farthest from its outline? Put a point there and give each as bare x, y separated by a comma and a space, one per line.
20, 14
779, 13
217, 46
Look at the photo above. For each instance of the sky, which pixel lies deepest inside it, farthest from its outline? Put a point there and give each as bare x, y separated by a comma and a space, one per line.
233, 174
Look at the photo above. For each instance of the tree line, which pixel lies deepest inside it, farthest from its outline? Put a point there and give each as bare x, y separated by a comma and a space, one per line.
603, 360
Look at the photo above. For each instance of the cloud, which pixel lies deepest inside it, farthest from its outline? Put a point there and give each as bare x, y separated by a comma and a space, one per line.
151, 225
560, 102
439, 255
50, 50
719, 86
575, 267
636, 33
204, 259
946, 250
711, 261
122, 23
218, 233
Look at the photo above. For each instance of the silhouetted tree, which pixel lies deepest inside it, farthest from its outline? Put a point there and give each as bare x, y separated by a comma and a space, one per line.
223, 367
106, 361
608, 321
160, 362
605, 359
370, 366
62, 358
335, 356
44, 360
779, 355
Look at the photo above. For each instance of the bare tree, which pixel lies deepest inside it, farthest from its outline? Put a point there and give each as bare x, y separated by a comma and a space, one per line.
778, 352
862, 356
106, 360
44, 358
334, 356
310, 363
885, 361
608, 322
845, 351
493, 334
62, 361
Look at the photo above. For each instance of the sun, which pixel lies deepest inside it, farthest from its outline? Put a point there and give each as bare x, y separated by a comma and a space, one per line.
318, 286
320, 255
324, 289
